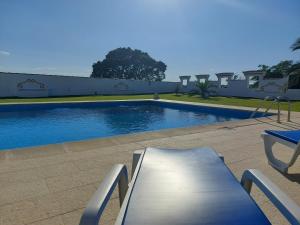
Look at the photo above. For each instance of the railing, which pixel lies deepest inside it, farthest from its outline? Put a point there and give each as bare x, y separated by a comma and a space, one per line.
268, 98
274, 100
279, 99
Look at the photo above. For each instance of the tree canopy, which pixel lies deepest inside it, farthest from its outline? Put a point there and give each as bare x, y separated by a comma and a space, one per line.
127, 63
296, 45
279, 70
283, 68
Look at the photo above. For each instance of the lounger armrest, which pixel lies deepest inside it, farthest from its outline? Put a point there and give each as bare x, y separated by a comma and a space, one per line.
289, 209
97, 204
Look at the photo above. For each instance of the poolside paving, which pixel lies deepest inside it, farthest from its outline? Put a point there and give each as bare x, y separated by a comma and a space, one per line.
52, 184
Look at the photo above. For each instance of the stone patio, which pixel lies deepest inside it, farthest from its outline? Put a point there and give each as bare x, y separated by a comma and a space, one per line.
52, 184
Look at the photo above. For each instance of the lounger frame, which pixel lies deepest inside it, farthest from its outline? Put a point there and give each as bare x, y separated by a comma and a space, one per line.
118, 175
288, 208
95, 207
269, 141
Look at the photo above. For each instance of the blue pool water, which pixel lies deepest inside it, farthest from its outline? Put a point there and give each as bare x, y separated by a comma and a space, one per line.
40, 124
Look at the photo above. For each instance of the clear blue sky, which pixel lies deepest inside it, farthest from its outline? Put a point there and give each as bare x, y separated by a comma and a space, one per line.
190, 36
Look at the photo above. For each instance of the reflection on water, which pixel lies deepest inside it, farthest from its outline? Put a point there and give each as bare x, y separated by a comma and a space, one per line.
128, 119
56, 125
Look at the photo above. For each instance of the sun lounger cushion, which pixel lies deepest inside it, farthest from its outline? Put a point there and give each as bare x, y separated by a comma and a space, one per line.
191, 187
291, 135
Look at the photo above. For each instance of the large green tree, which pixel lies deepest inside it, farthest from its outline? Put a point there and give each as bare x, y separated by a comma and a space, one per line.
283, 68
127, 63
279, 70
294, 79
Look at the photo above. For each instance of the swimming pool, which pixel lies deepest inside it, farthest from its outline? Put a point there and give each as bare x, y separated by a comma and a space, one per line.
24, 125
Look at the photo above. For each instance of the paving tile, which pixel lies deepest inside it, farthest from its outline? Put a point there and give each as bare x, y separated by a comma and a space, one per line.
12, 166
33, 152
72, 217
51, 221
27, 175
57, 170
14, 192
108, 217
21, 212
74, 199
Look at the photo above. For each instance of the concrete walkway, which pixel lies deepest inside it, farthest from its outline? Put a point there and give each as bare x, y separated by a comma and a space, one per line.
52, 184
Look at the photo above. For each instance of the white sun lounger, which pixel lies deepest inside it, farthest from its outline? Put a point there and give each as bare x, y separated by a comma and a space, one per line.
180, 187
290, 139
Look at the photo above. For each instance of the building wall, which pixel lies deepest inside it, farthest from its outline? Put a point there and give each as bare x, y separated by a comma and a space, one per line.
33, 85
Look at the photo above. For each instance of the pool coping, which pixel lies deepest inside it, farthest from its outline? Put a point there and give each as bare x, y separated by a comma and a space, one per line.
57, 102
140, 136
138, 100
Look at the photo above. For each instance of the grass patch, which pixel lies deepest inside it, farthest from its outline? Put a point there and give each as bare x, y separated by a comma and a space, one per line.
247, 102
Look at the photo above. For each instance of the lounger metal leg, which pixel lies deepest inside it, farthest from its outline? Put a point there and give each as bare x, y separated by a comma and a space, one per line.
221, 157
289, 209
294, 158
135, 159
123, 186
95, 207
276, 163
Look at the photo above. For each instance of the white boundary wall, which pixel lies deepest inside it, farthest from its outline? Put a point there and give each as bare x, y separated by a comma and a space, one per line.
270, 87
35, 85
38, 85
240, 88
